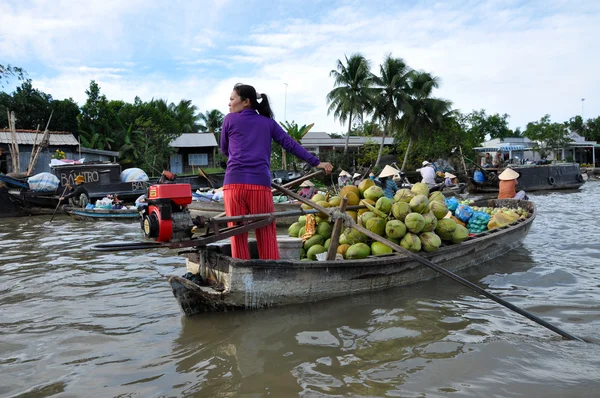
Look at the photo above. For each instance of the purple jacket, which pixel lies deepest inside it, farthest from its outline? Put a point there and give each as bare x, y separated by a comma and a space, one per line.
246, 141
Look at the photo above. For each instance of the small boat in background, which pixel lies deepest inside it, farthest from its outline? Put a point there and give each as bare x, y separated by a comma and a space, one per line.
120, 215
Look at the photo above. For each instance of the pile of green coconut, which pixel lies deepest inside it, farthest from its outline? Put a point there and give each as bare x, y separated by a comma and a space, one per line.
414, 219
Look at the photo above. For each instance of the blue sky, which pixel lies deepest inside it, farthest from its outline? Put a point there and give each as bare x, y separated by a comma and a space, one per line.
524, 58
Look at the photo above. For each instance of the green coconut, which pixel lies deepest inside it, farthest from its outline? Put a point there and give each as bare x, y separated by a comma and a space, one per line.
395, 229
313, 240
302, 220
373, 193
437, 196
294, 229
384, 204
430, 242
376, 225
414, 223
314, 250
353, 236
363, 218
324, 229
358, 251
411, 242
460, 234
400, 210
420, 188
379, 248
445, 228
302, 231
430, 222
439, 209
403, 195
419, 203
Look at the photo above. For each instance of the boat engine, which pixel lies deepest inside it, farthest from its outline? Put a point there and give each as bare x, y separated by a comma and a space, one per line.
167, 218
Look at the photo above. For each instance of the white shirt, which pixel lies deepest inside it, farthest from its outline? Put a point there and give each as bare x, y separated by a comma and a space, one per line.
428, 174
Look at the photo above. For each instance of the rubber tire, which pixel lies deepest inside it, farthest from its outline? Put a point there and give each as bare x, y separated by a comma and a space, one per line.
150, 226
580, 178
551, 180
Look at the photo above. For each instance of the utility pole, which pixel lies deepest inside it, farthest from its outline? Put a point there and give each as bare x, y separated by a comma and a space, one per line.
285, 104
583, 99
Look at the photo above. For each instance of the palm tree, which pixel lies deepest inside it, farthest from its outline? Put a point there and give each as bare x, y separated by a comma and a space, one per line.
129, 152
184, 113
422, 113
352, 85
297, 133
391, 95
211, 122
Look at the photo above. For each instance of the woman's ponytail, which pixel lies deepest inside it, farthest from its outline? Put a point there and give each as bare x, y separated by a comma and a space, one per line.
264, 108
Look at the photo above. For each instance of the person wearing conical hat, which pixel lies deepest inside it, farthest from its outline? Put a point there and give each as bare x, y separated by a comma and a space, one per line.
344, 178
508, 184
307, 189
450, 179
356, 179
78, 196
387, 181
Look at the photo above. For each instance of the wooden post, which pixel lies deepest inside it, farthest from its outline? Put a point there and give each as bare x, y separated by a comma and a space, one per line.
462, 158
37, 151
14, 148
337, 229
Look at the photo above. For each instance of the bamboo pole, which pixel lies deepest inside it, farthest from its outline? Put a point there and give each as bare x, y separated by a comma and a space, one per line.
337, 229
39, 147
14, 147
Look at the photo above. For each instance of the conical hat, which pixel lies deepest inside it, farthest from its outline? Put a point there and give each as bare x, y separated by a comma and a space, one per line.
307, 183
508, 174
449, 175
356, 175
344, 173
388, 171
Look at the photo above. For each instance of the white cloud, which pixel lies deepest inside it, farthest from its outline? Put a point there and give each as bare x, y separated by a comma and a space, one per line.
524, 59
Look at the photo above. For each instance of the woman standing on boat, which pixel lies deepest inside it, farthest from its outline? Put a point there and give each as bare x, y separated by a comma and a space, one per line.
246, 137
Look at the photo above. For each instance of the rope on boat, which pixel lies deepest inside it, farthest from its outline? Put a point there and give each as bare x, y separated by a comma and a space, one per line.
345, 217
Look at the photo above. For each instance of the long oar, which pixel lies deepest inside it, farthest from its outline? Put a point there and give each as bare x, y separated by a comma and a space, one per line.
439, 269
59, 200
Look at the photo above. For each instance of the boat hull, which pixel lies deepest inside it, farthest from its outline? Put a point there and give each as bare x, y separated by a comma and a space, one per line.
260, 283
537, 178
121, 215
211, 209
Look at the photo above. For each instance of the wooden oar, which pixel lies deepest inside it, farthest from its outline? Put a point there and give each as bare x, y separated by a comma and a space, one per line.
439, 269
57, 206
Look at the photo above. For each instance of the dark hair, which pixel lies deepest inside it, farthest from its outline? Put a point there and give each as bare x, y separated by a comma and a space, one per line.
246, 91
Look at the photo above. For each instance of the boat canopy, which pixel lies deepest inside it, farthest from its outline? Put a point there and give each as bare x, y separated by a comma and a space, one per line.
506, 148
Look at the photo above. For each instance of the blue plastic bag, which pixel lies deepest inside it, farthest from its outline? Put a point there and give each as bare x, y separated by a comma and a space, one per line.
452, 204
463, 213
478, 222
89, 206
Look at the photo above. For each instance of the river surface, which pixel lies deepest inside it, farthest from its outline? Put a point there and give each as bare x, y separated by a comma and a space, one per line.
77, 323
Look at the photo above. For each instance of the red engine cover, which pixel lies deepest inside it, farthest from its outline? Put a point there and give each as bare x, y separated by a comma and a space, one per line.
180, 194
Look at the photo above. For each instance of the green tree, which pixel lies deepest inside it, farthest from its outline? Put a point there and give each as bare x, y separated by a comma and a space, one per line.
185, 115
496, 125
549, 137
349, 99
65, 115
7, 71
390, 96
297, 133
32, 107
422, 114
592, 131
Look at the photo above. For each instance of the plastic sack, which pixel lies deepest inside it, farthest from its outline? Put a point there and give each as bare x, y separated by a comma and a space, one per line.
43, 182
452, 204
478, 222
478, 176
133, 174
90, 206
502, 219
463, 212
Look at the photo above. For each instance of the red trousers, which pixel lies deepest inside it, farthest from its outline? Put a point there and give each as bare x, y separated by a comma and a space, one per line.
242, 199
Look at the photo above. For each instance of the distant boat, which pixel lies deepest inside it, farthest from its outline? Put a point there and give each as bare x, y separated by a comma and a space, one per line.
533, 178
120, 215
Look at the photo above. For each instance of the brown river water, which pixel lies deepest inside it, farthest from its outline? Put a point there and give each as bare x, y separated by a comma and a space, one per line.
78, 323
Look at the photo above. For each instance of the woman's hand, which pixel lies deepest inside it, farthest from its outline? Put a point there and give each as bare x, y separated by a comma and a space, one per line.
325, 166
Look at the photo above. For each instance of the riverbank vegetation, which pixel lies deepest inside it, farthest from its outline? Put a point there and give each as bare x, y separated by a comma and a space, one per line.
392, 100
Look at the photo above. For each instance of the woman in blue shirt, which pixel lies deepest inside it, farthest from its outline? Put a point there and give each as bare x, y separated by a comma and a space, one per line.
387, 182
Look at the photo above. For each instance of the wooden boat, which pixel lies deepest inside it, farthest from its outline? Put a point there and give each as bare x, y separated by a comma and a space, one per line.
120, 215
250, 284
211, 209
534, 178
